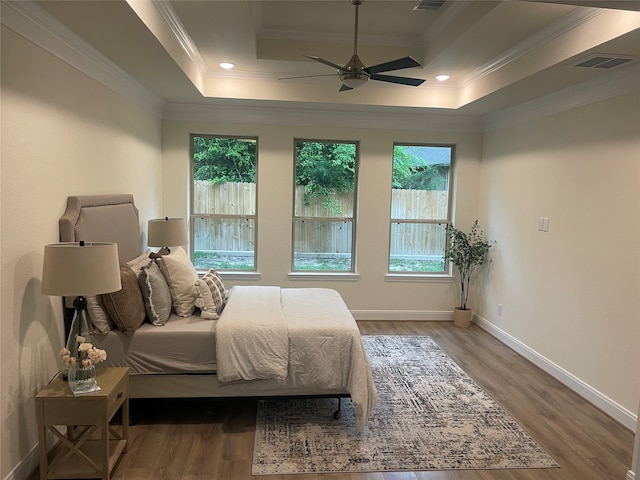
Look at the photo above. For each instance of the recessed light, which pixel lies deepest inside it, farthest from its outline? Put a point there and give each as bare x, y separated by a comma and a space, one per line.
442, 78
227, 65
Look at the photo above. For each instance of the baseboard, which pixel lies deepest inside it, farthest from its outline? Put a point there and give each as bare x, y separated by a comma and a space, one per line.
30, 463
404, 315
604, 403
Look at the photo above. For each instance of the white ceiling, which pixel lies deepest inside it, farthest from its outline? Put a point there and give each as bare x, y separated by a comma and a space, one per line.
497, 53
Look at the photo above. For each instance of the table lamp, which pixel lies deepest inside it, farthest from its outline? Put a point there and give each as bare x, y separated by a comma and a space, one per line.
77, 269
167, 232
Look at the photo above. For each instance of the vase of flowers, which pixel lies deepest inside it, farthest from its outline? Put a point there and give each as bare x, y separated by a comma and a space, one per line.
82, 371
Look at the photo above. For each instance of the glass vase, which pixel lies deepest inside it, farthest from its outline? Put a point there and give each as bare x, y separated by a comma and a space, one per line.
79, 327
82, 379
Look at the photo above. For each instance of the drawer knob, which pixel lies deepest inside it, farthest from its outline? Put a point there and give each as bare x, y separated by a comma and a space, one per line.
120, 395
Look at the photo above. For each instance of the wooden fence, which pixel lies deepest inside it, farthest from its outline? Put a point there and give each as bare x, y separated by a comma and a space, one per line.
238, 234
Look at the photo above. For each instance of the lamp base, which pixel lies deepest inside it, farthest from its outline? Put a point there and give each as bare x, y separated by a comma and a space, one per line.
79, 328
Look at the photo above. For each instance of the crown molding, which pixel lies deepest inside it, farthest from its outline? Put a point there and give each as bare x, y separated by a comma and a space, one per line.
168, 14
560, 27
33, 23
411, 119
609, 85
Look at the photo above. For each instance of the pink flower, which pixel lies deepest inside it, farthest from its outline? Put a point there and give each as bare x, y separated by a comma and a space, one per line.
87, 354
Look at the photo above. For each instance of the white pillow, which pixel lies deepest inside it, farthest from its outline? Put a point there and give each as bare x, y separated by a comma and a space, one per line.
181, 276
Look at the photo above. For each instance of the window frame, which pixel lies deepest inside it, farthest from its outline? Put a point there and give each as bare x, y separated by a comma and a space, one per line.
193, 215
446, 274
326, 274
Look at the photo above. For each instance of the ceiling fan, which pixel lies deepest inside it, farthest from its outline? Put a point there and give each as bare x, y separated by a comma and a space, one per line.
355, 73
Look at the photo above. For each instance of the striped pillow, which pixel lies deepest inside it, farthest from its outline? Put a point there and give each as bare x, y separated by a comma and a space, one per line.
213, 280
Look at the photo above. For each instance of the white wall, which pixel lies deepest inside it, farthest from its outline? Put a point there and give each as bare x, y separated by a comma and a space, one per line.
370, 295
569, 294
62, 134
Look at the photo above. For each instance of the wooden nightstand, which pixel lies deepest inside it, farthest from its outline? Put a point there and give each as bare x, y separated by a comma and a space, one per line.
92, 446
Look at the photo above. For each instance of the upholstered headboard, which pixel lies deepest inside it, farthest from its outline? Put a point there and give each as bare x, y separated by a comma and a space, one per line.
103, 218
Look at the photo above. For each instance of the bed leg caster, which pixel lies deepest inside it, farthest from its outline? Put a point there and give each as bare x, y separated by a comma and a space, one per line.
337, 413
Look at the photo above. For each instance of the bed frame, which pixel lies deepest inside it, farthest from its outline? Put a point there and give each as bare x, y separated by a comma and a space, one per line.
115, 218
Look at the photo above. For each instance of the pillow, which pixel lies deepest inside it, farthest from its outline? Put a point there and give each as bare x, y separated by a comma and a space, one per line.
136, 264
213, 280
181, 276
98, 316
155, 294
126, 307
204, 301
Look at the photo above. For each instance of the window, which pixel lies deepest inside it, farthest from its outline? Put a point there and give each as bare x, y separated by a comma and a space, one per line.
420, 208
325, 206
223, 203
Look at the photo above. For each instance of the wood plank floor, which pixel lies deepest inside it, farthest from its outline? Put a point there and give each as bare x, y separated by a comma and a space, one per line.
213, 438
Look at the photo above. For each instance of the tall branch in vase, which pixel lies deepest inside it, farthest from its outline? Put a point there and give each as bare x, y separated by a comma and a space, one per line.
466, 251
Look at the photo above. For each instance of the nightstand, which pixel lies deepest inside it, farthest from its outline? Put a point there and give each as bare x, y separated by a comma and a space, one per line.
92, 445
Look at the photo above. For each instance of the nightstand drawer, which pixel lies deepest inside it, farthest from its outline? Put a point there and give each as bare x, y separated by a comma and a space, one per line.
118, 395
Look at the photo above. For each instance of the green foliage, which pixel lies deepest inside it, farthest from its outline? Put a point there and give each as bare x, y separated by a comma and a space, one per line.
221, 160
326, 169
466, 252
411, 172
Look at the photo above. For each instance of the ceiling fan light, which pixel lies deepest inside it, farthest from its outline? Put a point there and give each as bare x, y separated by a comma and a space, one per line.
354, 80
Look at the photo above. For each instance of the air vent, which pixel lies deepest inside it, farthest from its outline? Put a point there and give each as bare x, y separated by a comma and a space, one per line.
428, 4
603, 61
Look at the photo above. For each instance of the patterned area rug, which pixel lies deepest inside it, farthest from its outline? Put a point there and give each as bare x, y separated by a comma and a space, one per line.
430, 415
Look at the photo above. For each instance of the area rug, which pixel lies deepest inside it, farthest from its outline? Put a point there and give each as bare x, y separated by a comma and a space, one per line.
430, 415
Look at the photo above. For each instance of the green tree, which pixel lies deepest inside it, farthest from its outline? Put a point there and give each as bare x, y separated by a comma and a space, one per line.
221, 160
412, 172
326, 169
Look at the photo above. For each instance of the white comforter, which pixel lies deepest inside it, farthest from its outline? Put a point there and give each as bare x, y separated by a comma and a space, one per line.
325, 351
252, 342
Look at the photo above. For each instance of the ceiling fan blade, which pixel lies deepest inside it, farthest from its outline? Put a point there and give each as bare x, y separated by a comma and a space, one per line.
399, 64
344, 88
326, 62
414, 82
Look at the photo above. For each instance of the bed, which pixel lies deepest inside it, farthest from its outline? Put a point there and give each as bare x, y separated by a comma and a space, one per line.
263, 341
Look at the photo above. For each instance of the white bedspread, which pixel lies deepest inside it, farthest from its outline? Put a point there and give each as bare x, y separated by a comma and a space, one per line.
252, 340
325, 351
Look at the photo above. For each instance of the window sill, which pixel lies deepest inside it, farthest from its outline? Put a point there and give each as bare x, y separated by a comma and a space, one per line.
333, 277
235, 275
416, 277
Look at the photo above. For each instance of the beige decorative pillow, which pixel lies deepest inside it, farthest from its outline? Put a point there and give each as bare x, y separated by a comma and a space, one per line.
155, 293
181, 276
126, 306
136, 264
98, 316
204, 301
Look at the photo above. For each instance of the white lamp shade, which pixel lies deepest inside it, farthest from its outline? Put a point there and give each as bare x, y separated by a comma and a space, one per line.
167, 232
75, 269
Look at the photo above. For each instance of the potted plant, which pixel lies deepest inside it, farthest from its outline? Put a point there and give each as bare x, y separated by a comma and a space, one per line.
466, 251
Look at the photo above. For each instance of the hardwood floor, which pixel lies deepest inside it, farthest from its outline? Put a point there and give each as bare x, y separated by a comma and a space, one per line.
213, 438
